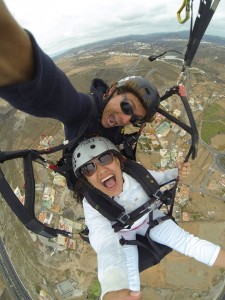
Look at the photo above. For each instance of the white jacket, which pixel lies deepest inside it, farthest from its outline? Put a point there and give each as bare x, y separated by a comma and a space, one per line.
112, 268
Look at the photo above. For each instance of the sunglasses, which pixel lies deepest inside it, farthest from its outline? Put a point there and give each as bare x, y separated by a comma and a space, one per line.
90, 168
128, 109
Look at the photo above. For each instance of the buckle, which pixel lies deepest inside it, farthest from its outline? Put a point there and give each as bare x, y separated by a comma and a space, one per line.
158, 194
123, 241
155, 222
123, 218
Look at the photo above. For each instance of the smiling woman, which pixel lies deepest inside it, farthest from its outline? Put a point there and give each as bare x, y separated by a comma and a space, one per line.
98, 165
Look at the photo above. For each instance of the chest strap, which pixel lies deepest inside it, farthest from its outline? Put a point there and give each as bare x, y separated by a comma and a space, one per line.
125, 220
158, 252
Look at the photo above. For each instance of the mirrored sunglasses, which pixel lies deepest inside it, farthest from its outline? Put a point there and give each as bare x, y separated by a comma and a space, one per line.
90, 168
128, 109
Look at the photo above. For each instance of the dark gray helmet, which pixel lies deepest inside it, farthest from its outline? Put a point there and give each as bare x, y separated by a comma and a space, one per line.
146, 93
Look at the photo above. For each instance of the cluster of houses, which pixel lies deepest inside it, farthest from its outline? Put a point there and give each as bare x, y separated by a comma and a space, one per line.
153, 139
217, 185
50, 213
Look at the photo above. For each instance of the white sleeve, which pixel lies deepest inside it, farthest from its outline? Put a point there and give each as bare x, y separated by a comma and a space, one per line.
112, 269
170, 234
164, 176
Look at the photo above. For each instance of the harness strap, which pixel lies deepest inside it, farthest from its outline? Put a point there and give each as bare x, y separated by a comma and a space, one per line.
136, 214
115, 212
152, 246
192, 129
24, 214
141, 175
123, 242
149, 206
102, 203
130, 140
205, 13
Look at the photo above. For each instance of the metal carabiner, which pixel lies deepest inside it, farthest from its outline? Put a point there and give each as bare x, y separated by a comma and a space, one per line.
186, 5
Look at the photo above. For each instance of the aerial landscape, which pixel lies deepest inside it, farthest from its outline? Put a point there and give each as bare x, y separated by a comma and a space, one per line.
65, 268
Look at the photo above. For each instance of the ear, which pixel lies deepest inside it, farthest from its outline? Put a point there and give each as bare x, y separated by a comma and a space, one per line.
109, 93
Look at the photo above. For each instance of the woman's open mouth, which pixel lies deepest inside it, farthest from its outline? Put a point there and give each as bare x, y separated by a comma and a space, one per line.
109, 182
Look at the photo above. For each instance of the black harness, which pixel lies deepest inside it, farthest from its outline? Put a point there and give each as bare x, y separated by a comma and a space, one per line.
205, 13
150, 252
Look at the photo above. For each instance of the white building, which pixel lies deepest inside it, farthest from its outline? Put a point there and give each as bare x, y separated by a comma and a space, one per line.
163, 152
177, 113
59, 179
49, 194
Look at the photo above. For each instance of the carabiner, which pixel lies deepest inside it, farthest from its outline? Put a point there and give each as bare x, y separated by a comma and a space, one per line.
186, 4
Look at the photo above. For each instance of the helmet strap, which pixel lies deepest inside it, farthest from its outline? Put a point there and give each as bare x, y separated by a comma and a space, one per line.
111, 92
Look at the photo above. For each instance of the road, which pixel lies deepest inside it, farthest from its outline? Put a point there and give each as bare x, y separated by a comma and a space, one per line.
12, 281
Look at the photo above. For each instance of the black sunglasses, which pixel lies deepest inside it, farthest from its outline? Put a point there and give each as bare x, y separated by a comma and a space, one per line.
128, 109
90, 168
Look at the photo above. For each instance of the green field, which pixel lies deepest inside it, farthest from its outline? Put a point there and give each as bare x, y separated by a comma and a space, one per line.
94, 290
213, 122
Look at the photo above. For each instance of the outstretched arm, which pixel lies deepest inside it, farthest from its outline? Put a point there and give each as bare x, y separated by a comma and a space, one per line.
16, 56
31, 82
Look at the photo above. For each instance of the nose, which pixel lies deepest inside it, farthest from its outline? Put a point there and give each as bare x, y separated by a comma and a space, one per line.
100, 168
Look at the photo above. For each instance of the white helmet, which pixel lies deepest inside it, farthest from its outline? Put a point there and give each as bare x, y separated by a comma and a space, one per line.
89, 149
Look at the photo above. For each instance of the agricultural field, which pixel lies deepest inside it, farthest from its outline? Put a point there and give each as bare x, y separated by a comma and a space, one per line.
213, 123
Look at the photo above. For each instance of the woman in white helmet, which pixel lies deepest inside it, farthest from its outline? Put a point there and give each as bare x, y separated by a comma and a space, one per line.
99, 161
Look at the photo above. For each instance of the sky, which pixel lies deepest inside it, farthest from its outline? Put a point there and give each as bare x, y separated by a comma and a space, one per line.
62, 24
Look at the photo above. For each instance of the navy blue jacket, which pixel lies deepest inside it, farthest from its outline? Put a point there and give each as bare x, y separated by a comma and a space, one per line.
50, 94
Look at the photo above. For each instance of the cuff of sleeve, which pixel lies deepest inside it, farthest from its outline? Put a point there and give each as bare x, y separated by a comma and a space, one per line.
214, 257
175, 172
114, 280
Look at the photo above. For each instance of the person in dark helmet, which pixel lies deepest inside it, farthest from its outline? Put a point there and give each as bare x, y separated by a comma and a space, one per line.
98, 162
31, 82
